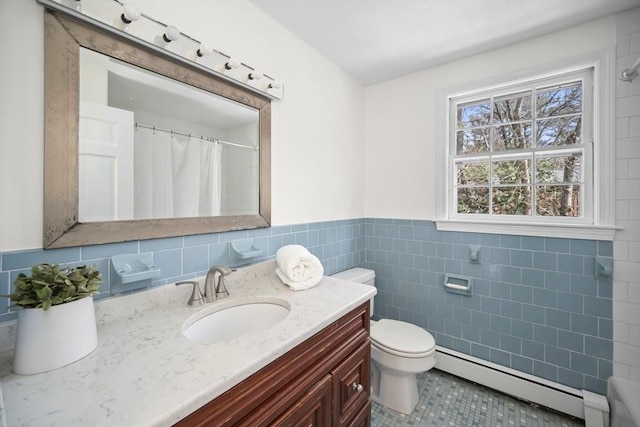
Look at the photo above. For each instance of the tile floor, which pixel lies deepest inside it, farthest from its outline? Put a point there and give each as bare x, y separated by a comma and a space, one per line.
447, 400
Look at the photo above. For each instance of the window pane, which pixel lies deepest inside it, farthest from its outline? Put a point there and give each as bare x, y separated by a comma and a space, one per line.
512, 109
557, 132
473, 200
521, 150
558, 200
511, 172
511, 200
559, 101
472, 141
514, 136
559, 169
472, 173
475, 115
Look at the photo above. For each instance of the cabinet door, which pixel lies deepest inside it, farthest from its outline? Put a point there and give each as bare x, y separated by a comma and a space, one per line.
363, 419
312, 410
351, 384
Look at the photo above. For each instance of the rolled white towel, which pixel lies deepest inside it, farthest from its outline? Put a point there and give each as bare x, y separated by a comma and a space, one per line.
298, 268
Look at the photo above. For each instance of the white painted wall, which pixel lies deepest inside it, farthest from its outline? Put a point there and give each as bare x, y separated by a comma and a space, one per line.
626, 247
400, 117
21, 124
317, 130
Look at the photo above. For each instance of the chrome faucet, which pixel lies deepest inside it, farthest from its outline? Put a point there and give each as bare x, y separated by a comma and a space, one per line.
220, 290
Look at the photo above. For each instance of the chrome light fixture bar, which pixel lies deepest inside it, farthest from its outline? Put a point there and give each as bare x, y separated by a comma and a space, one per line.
125, 20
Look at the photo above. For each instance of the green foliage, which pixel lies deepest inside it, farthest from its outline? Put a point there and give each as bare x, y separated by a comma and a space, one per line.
52, 285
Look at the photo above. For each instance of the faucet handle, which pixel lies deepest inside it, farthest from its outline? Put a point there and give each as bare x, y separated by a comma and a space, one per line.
196, 299
221, 289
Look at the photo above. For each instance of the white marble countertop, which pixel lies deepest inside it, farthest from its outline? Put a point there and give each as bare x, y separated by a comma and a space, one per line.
144, 372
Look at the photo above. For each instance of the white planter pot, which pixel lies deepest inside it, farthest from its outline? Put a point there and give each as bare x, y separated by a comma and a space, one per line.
47, 340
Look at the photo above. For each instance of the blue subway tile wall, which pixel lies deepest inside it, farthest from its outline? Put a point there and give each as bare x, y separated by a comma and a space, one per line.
338, 244
536, 306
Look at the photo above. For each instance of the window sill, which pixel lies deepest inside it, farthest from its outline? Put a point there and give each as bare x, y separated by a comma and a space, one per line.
587, 232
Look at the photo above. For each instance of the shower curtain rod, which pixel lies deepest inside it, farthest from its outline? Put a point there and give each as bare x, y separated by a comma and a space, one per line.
205, 138
632, 72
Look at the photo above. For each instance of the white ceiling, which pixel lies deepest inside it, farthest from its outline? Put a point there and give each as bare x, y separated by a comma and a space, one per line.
378, 40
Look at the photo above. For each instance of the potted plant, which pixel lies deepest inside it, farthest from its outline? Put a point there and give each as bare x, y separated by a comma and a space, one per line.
57, 323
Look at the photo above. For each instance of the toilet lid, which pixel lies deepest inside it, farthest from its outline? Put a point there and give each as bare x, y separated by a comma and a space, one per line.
402, 337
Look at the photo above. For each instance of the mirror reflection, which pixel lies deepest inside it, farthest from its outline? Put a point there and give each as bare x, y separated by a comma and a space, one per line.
152, 147
64, 225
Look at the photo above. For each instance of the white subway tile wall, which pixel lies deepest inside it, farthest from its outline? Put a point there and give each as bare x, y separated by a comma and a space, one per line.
626, 269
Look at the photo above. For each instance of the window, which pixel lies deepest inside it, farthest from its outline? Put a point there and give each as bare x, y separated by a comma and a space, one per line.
523, 153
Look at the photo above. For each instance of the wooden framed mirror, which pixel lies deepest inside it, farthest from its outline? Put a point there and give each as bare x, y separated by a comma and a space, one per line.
65, 37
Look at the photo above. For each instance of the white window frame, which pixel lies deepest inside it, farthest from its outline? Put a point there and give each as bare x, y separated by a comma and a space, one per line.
598, 222
584, 77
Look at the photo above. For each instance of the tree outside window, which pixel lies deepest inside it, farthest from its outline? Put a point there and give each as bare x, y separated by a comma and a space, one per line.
521, 154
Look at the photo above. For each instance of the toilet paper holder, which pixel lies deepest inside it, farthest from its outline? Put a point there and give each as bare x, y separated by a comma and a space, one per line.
457, 284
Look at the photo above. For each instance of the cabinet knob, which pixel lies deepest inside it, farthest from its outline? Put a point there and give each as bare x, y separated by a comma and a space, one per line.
357, 387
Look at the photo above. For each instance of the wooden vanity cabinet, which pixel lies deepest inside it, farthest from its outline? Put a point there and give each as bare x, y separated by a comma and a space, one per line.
322, 382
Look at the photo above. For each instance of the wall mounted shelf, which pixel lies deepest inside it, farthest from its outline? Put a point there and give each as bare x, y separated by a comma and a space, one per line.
132, 271
243, 252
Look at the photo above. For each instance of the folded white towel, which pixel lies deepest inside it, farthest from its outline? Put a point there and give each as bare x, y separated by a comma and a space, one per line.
298, 268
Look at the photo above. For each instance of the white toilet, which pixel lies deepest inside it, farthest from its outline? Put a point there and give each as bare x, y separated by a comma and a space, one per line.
399, 351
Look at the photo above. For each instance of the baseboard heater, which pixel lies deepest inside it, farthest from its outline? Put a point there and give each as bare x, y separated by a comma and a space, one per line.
571, 401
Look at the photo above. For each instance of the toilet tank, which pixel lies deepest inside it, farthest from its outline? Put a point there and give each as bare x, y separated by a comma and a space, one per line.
358, 275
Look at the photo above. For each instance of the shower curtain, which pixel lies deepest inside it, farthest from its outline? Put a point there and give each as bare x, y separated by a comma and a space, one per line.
176, 176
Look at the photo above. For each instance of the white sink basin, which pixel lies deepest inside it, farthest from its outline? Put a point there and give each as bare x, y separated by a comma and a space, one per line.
227, 321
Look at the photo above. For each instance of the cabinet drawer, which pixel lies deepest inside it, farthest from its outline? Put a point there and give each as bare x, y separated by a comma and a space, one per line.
351, 382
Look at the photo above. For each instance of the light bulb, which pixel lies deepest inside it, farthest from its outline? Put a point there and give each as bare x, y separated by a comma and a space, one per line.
129, 14
171, 34
255, 75
203, 50
275, 85
232, 63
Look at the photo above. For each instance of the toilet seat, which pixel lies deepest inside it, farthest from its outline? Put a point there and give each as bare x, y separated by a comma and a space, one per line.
402, 339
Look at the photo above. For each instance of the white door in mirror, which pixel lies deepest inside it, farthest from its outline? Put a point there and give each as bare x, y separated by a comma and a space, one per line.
106, 163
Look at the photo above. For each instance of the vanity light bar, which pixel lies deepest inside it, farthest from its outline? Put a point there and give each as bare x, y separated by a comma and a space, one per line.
268, 86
